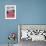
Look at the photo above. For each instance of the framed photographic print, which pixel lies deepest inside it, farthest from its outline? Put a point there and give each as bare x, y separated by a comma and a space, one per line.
33, 32
10, 11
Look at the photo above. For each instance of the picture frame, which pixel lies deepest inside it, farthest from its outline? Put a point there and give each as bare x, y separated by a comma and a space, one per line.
10, 11
36, 32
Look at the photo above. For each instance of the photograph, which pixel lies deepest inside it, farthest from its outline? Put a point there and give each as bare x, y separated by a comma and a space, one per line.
10, 11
